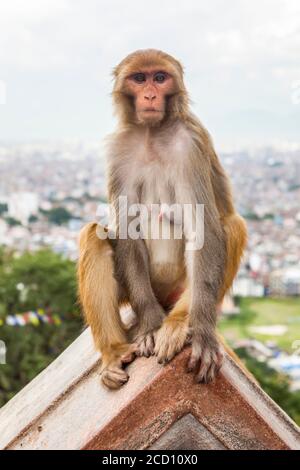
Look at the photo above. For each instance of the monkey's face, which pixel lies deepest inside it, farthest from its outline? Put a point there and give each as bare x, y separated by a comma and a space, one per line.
150, 90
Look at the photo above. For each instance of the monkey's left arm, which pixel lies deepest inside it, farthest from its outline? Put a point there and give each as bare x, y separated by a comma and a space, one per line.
206, 267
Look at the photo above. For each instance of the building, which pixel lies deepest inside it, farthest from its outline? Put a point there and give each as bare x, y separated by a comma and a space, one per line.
21, 205
285, 282
161, 407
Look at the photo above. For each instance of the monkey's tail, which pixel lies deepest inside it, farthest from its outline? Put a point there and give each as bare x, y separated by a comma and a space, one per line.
236, 240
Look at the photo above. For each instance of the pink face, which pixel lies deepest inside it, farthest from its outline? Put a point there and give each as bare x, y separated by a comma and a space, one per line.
149, 89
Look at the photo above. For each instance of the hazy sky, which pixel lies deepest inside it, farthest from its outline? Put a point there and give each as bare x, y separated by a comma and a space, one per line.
241, 59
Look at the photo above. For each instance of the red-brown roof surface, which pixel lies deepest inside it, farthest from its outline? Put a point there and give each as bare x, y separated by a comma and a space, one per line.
66, 407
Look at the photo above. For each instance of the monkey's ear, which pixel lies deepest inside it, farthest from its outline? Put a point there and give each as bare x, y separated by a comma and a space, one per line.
114, 72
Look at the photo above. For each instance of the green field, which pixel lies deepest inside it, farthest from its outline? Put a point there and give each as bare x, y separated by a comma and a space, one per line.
264, 312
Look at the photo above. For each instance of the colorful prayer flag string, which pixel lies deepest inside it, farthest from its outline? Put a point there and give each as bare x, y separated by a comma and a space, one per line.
35, 318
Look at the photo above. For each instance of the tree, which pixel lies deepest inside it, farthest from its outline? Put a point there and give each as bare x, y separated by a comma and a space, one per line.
32, 218
42, 279
11, 221
276, 385
48, 281
3, 208
57, 215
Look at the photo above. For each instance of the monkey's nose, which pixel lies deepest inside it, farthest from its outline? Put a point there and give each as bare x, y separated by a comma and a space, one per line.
150, 96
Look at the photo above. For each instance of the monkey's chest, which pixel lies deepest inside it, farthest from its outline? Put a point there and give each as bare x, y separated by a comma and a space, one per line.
162, 233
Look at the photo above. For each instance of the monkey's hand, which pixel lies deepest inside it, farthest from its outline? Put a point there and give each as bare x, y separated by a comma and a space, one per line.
206, 358
144, 336
170, 339
145, 344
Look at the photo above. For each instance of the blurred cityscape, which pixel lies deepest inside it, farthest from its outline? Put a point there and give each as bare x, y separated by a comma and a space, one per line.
49, 191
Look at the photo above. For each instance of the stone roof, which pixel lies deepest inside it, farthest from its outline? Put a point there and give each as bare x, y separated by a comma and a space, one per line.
66, 407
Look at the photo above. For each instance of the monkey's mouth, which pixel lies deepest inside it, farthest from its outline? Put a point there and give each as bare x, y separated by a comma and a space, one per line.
151, 110
150, 116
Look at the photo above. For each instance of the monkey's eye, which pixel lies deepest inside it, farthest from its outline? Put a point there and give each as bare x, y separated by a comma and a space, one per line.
160, 77
139, 77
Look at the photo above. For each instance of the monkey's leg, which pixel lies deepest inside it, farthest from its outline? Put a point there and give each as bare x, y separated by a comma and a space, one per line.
173, 334
132, 270
99, 296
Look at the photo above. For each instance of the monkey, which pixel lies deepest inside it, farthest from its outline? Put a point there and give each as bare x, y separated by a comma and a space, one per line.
160, 154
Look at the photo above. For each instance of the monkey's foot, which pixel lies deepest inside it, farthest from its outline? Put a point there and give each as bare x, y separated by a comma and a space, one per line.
206, 360
113, 374
170, 339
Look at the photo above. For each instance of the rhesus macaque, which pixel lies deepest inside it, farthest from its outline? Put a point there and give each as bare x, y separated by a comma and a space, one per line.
160, 154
